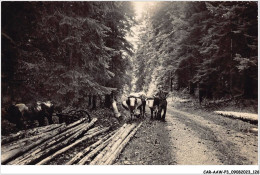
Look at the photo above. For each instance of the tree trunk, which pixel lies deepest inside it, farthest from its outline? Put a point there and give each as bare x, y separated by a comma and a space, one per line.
43, 152
25, 133
101, 103
171, 81
248, 89
103, 152
86, 137
91, 147
89, 100
76, 123
107, 101
117, 143
116, 153
66, 132
191, 88
94, 102
98, 148
26, 141
6, 157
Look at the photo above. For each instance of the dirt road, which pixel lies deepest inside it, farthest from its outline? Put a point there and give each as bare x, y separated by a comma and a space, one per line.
192, 137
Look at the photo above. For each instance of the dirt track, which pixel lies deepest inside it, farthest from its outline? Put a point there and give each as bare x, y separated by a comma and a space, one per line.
192, 137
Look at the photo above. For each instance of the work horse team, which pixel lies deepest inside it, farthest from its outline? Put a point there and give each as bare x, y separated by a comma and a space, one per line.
157, 103
135, 103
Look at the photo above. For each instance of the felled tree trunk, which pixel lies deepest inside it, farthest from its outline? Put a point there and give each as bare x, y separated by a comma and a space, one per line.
43, 152
68, 131
89, 148
26, 141
25, 133
117, 143
119, 149
103, 152
99, 147
47, 159
6, 157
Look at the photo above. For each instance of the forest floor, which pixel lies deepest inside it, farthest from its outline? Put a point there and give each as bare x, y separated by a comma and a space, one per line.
193, 135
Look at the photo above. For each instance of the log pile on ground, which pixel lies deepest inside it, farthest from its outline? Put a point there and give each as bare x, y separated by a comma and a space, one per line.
46, 143
106, 149
43, 144
239, 115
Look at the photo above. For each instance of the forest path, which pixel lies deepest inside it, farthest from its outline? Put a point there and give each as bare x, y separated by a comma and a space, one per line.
191, 138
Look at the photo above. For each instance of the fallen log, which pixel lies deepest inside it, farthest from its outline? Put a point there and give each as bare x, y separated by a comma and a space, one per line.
93, 130
117, 143
86, 137
102, 143
104, 151
87, 149
26, 141
51, 141
44, 152
116, 153
254, 130
25, 133
239, 115
6, 157
55, 140
76, 123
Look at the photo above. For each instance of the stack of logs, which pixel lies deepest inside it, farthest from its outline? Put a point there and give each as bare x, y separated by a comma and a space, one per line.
41, 145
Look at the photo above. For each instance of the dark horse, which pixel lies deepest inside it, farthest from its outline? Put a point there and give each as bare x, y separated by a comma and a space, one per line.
157, 104
134, 103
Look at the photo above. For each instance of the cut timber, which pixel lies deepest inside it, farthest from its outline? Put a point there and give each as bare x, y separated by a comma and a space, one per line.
99, 145
6, 157
103, 152
254, 130
93, 130
53, 140
44, 145
86, 150
47, 159
25, 133
115, 109
239, 115
26, 141
76, 123
116, 153
44, 152
117, 143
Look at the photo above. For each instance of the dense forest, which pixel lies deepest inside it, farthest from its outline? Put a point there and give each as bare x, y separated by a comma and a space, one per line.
207, 48
67, 52
77, 52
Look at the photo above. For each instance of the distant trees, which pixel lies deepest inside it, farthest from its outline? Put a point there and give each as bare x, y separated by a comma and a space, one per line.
210, 47
64, 51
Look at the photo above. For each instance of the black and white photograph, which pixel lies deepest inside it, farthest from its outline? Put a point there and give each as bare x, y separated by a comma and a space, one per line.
118, 83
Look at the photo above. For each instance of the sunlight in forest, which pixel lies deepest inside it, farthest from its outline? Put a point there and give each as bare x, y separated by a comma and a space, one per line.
140, 6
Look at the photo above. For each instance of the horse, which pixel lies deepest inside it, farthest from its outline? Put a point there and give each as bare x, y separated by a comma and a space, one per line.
16, 113
157, 104
153, 104
133, 103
